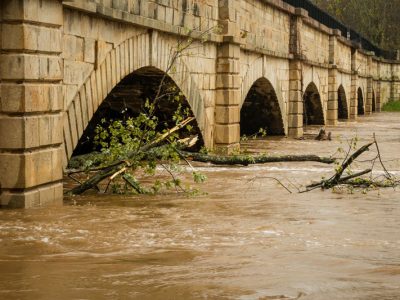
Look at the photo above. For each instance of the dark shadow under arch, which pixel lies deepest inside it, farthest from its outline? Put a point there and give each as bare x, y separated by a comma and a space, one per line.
261, 110
360, 102
343, 112
313, 112
128, 98
373, 101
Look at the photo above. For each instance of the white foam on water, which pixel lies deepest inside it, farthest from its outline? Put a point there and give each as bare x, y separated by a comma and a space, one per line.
25, 239
45, 240
238, 169
271, 233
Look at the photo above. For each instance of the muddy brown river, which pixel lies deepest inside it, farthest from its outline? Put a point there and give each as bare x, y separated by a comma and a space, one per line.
248, 238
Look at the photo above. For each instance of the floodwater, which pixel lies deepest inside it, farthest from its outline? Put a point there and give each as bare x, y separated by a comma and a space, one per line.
248, 238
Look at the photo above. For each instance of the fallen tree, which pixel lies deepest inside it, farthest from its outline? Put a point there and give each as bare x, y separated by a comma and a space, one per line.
120, 166
246, 160
357, 179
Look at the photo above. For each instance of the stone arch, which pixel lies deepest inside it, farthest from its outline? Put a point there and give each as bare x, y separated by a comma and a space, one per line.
343, 112
261, 109
260, 69
129, 56
313, 113
360, 102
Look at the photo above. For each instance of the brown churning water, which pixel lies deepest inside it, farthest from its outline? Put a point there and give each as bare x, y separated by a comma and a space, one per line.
246, 239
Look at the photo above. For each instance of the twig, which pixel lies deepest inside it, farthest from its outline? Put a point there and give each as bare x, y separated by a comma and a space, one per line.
276, 179
174, 178
388, 175
348, 162
133, 184
118, 173
77, 181
74, 179
113, 176
343, 179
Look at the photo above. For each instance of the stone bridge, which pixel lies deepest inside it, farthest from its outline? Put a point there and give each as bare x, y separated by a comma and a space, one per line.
270, 65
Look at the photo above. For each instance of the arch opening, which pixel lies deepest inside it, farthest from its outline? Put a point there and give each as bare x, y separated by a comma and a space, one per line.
343, 112
128, 99
373, 101
261, 109
313, 113
360, 102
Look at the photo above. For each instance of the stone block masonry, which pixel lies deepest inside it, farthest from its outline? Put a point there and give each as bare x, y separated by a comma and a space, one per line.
31, 103
59, 59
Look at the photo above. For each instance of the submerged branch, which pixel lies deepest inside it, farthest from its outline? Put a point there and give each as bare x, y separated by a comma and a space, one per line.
356, 180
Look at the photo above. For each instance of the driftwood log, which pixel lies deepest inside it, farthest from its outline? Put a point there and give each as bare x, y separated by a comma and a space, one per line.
246, 160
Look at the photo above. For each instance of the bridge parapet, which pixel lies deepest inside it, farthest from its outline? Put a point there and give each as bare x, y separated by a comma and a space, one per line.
315, 43
265, 27
168, 16
343, 55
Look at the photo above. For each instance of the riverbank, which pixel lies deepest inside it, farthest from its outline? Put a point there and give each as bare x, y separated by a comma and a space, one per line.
392, 106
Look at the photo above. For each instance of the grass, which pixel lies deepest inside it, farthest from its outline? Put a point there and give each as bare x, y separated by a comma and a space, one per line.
391, 106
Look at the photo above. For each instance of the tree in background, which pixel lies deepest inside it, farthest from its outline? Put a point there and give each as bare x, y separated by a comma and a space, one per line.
377, 20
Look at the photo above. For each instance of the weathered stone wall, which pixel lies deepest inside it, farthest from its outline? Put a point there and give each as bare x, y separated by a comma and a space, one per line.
396, 83
314, 44
362, 64
199, 14
385, 92
265, 27
374, 70
343, 56
385, 71
387, 85
396, 71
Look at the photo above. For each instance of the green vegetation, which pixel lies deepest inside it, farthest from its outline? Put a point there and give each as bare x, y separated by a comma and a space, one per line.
261, 133
377, 20
392, 106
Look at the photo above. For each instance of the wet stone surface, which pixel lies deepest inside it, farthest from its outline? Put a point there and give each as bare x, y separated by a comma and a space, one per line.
247, 238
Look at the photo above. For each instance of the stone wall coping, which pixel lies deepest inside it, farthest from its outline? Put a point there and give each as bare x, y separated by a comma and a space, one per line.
317, 64
317, 25
121, 16
383, 60
266, 52
346, 42
282, 6
344, 71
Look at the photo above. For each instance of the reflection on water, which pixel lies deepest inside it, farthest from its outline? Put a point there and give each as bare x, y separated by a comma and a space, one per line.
247, 238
